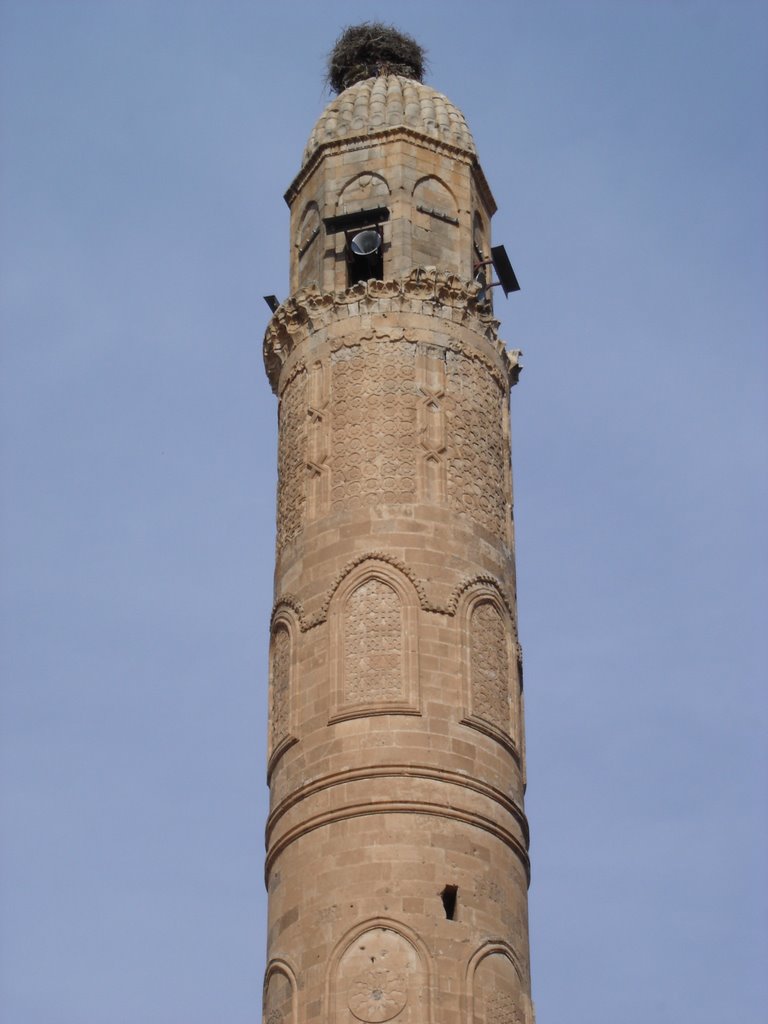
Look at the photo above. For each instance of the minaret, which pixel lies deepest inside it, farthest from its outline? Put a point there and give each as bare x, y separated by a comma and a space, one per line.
397, 864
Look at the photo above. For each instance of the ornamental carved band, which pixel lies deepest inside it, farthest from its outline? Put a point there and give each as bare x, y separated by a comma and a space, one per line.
390, 424
497, 991
291, 458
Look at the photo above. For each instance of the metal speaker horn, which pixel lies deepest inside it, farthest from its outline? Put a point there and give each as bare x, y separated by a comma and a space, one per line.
366, 243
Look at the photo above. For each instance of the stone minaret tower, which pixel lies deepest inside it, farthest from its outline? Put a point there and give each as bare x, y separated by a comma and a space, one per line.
396, 842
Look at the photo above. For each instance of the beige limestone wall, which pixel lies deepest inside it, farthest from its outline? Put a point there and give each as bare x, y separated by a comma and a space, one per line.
396, 757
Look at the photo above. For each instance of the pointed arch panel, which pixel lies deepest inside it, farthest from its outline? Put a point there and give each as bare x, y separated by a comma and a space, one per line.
491, 678
280, 993
374, 643
282, 682
496, 992
379, 974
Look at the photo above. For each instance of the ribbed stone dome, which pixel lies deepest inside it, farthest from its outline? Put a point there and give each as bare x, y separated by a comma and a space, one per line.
390, 101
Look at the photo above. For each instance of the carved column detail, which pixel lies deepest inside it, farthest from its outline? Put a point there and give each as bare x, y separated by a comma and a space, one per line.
430, 370
374, 643
291, 457
318, 428
281, 682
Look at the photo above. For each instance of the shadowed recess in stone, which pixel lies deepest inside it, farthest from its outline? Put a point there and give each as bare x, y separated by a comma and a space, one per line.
449, 896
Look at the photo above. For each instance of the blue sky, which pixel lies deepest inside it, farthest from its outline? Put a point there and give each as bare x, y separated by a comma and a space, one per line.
145, 150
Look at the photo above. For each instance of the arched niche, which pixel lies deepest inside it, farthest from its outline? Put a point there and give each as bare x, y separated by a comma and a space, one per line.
282, 684
309, 245
374, 616
491, 683
495, 987
365, 191
280, 994
379, 973
434, 226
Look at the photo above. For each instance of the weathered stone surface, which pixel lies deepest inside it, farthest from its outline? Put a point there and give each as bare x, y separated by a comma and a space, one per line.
396, 759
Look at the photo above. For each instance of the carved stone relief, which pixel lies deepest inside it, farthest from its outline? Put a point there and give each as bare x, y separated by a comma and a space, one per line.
373, 645
280, 686
502, 1008
318, 441
380, 978
430, 374
477, 447
374, 425
378, 994
489, 659
497, 992
292, 459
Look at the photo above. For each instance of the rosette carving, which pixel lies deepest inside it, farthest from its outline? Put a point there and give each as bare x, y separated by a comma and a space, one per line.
378, 995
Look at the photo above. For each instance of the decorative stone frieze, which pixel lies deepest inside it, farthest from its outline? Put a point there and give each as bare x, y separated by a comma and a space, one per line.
424, 291
426, 602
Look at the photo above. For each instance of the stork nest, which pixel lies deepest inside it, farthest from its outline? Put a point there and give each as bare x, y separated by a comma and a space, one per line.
370, 49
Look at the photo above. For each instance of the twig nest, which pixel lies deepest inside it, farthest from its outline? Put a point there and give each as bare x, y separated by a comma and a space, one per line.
373, 48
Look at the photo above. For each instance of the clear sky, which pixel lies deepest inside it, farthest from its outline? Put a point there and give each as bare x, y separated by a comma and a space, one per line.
146, 146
